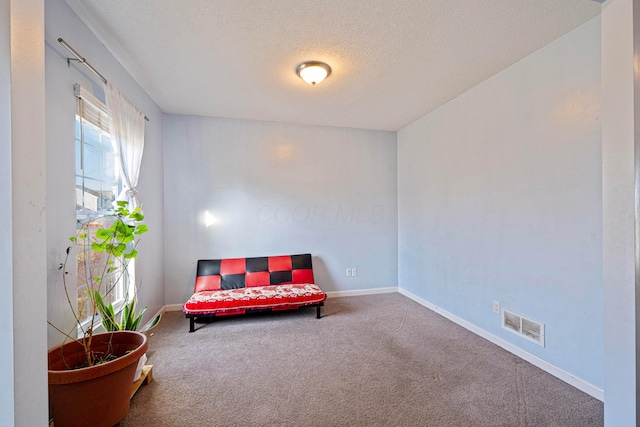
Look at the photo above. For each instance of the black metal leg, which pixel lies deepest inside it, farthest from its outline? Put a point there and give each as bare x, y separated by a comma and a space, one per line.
192, 324
318, 311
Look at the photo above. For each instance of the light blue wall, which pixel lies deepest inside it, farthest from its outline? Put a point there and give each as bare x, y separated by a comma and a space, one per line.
60, 21
500, 199
7, 395
278, 188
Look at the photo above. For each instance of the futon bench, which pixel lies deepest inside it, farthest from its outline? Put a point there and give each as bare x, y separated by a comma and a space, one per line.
238, 285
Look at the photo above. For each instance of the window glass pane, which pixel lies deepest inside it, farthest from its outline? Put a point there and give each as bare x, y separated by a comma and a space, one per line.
91, 135
82, 272
83, 303
92, 163
106, 144
91, 194
111, 290
77, 128
107, 197
109, 169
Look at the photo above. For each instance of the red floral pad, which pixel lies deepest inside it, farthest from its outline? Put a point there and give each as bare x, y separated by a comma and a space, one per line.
237, 300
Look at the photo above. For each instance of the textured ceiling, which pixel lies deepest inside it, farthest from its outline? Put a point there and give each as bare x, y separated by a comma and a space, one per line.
393, 60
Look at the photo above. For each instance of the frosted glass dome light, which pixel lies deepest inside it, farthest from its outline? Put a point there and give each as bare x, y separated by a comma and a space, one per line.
313, 72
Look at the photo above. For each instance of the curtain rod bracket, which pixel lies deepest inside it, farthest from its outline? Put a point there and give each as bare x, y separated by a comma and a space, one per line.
79, 61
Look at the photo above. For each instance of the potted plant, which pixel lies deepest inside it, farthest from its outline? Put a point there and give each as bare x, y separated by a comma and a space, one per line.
90, 377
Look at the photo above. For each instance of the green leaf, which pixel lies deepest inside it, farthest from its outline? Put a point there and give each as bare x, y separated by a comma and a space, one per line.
143, 310
97, 247
103, 234
112, 269
120, 249
120, 227
128, 230
132, 254
106, 312
136, 322
73, 239
116, 250
125, 317
141, 229
122, 203
137, 216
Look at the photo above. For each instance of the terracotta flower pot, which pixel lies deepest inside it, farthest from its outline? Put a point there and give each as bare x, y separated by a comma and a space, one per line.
98, 395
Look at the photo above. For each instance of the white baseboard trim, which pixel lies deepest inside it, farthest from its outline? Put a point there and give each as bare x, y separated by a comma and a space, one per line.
557, 372
359, 292
173, 307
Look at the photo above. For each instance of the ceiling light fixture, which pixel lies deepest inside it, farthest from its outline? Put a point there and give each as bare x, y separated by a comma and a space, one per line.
313, 72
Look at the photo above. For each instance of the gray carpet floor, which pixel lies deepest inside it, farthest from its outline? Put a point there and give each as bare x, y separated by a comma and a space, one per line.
376, 360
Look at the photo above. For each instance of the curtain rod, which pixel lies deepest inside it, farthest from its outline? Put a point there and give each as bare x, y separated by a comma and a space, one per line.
83, 61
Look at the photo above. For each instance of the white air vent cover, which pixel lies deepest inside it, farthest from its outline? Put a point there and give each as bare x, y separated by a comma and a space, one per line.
526, 328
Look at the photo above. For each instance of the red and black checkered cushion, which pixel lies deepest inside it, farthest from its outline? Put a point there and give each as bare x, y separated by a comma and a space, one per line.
236, 273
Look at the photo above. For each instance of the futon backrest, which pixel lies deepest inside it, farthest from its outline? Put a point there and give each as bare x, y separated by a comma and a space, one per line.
234, 273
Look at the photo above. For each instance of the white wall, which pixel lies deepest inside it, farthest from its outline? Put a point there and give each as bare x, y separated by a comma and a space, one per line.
279, 188
23, 375
60, 21
619, 189
500, 199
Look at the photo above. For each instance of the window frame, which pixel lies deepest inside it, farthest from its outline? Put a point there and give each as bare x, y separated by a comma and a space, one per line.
92, 113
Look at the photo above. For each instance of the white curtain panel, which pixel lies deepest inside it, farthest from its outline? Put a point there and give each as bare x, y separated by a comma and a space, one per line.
127, 133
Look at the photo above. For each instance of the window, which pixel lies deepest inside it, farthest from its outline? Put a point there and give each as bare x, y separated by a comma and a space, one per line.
98, 183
